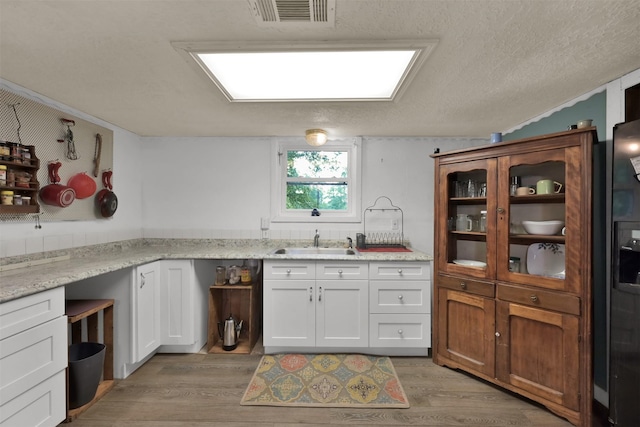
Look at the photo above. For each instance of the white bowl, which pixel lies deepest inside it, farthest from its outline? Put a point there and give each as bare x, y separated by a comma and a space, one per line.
545, 228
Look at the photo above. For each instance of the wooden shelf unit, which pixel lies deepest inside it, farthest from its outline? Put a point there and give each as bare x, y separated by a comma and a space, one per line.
76, 310
241, 301
31, 190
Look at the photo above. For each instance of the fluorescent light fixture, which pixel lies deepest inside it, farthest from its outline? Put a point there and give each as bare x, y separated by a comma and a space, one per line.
372, 71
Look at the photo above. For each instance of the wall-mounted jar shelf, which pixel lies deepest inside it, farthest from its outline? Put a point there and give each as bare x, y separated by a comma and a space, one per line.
17, 166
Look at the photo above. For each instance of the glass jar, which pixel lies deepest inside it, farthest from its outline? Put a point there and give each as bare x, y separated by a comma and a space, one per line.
514, 264
17, 199
221, 275
3, 175
245, 275
26, 200
483, 221
6, 197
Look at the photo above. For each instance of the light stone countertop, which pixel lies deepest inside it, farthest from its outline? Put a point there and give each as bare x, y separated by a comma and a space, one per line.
91, 261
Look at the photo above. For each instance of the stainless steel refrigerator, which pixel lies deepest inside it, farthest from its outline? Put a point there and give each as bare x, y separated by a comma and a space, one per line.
624, 368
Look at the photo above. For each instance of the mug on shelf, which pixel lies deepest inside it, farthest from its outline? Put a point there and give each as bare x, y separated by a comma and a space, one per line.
548, 186
525, 191
464, 222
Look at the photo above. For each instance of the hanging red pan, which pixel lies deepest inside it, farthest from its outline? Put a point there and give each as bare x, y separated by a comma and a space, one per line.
55, 194
83, 185
106, 200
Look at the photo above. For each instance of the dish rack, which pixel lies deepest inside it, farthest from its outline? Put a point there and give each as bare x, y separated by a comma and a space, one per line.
386, 223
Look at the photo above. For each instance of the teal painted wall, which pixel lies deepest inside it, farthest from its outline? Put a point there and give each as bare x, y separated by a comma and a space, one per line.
594, 108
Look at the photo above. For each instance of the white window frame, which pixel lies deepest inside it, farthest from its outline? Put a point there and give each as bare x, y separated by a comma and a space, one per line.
279, 213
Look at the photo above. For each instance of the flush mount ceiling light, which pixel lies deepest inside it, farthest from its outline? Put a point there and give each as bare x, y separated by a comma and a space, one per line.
258, 72
316, 137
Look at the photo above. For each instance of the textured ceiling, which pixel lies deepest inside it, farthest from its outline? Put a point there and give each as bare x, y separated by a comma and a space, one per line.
497, 64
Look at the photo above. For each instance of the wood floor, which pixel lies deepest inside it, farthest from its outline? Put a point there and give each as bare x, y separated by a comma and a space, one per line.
205, 390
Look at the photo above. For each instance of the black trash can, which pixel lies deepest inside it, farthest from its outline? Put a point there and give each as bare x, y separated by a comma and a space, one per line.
86, 361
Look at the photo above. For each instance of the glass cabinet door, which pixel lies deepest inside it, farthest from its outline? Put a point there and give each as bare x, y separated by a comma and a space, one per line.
468, 194
538, 209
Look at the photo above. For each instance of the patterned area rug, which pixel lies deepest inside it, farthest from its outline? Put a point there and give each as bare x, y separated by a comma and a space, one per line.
325, 380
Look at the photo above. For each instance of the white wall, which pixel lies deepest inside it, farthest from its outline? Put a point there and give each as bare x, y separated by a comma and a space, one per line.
220, 187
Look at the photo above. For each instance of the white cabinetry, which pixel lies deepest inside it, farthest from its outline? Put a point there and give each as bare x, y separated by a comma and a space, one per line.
33, 358
176, 302
376, 307
145, 297
400, 303
311, 304
184, 303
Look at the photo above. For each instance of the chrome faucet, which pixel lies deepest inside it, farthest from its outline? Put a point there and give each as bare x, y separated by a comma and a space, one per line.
316, 240
350, 242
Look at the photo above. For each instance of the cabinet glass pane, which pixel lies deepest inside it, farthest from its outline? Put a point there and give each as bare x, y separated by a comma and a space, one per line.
466, 218
537, 219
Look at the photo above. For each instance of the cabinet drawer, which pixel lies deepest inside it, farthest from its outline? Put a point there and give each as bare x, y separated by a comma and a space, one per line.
342, 270
23, 313
400, 330
30, 357
464, 284
400, 270
540, 298
287, 270
399, 297
44, 405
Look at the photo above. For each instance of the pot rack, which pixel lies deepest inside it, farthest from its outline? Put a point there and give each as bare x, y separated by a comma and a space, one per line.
385, 211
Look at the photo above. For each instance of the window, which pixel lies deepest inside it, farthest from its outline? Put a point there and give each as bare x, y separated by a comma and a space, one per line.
325, 178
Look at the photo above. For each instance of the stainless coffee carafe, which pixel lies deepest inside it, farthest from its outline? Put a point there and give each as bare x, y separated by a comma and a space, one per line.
229, 332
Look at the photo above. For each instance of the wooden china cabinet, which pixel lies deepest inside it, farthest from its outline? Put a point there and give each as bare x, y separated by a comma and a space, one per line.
510, 307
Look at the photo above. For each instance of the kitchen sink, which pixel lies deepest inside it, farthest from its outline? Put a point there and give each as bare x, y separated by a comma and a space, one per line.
315, 251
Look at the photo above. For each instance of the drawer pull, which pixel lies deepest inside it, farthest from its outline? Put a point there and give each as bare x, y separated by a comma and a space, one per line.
311, 293
288, 271
400, 332
143, 280
400, 271
320, 293
498, 334
400, 297
533, 298
340, 273
463, 285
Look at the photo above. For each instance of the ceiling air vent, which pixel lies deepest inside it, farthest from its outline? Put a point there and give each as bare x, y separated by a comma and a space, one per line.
287, 12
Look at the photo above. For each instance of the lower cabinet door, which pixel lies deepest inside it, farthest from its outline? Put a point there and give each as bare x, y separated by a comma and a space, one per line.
289, 313
400, 330
466, 330
146, 310
342, 313
538, 351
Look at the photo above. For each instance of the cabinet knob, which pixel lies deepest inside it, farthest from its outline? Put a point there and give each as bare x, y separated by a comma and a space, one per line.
400, 271
320, 293
533, 298
340, 272
463, 285
311, 293
400, 332
400, 297
288, 271
497, 334
501, 210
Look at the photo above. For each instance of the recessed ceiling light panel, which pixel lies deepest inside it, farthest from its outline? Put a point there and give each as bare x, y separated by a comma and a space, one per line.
371, 72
